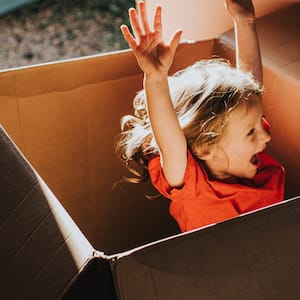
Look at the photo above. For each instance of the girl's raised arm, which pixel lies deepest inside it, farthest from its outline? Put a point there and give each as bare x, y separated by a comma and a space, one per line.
248, 57
155, 58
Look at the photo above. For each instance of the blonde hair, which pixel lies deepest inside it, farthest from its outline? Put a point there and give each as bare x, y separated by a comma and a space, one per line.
202, 95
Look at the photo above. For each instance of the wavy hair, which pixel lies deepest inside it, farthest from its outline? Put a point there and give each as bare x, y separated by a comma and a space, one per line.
202, 95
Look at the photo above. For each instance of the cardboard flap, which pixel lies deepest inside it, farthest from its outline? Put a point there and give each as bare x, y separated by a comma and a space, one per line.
41, 249
255, 256
279, 41
94, 282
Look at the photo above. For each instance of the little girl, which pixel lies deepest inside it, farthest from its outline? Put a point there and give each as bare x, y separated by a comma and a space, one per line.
201, 134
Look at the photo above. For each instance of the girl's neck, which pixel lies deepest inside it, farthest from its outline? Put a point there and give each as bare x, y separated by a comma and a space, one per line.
211, 176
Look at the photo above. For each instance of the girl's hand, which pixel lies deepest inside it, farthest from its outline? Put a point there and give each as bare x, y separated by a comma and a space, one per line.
240, 10
152, 54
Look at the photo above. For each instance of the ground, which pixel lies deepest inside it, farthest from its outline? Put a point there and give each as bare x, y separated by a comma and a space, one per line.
54, 30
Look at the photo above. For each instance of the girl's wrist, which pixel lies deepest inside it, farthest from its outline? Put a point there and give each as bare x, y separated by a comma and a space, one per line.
156, 77
244, 20
246, 25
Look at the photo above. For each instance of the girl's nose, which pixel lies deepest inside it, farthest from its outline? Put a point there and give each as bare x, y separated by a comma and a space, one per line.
266, 136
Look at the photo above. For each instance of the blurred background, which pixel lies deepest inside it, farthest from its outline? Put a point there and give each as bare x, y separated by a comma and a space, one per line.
37, 31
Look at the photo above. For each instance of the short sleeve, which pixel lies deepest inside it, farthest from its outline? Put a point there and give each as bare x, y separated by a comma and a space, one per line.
194, 175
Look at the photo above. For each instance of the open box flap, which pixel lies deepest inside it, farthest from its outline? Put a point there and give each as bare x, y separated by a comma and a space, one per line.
95, 281
254, 256
279, 41
42, 250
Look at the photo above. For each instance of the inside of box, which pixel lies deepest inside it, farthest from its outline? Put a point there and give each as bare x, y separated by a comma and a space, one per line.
64, 118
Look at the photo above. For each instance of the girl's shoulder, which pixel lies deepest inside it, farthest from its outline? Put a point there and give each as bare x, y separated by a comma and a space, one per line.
195, 178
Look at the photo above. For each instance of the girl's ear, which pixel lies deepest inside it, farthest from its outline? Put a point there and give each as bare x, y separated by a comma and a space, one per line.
203, 152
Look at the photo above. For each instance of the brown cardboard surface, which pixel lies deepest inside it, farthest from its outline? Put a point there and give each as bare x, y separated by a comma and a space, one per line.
205, 19
42, 250
9, 115
94, 282
244, 257
279, 41
254, 256
285, 127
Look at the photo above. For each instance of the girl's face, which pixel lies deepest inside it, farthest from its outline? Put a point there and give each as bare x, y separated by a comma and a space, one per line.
236, 153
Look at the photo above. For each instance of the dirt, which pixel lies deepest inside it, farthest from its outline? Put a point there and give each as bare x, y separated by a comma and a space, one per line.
55, 30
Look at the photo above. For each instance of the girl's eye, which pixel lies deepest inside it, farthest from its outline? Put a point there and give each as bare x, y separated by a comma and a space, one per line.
251, 132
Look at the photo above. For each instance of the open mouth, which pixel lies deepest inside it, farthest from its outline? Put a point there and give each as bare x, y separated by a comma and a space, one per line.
255, 160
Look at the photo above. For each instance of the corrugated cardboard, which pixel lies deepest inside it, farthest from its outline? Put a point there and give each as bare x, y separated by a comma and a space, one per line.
63, 117
45, 256
41, 247
251, 257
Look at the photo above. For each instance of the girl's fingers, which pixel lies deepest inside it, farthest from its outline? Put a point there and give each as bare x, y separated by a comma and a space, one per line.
134, 22
157, 23
128, 37
141, 28
175, 39
144, 18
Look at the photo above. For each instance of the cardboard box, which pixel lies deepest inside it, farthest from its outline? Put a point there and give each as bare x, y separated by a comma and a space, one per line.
63, 117
44, 255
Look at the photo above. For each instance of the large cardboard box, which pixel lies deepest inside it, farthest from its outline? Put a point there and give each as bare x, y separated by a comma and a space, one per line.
59, 121
44, 255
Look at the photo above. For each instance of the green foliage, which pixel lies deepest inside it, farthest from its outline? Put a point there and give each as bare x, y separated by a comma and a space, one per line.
117, 7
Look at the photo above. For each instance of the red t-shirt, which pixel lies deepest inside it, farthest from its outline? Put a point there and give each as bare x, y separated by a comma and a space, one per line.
202, 201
